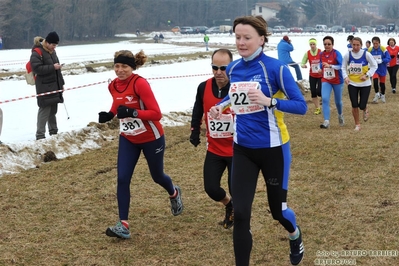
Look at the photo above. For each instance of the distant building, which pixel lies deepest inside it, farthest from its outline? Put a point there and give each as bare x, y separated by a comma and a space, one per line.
366, 8
266, 10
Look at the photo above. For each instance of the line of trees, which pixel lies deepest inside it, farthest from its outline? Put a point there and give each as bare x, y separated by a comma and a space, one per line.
335, 12
81, 20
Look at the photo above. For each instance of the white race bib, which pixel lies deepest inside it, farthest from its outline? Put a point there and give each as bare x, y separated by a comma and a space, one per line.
328, 73
131, 126
355, 69
221, 127
315, 68
240, 102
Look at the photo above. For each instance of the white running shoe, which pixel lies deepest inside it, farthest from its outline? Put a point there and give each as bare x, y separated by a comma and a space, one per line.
376, 97
341, 120
357, 128
382, 98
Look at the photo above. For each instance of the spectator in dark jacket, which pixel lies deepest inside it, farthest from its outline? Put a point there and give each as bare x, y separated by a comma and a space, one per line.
49, 83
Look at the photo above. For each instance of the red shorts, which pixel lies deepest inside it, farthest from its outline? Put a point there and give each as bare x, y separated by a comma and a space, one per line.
382, 78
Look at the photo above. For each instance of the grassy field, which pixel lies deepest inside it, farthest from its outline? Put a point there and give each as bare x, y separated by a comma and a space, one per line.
343, 188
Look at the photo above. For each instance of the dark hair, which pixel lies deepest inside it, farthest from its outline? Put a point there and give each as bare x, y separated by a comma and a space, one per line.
257, 22
376, 38
223, 51
350, 38
391, 39
358, 39
140, 58
329, 38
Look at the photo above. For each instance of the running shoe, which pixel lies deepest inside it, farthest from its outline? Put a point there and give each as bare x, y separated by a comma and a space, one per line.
317, 111
357, 128
119, 231
341, 120
382, 97
176, 204
366, 115
326, 124
376, 97
296, 249
229, 218
393, 90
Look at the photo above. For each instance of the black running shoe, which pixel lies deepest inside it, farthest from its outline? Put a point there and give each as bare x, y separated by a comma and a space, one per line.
296, 249
229, 218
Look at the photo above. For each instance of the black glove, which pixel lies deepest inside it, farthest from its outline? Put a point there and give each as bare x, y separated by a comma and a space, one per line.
392, 56
124, 111
105, 117
61, 97
195, 137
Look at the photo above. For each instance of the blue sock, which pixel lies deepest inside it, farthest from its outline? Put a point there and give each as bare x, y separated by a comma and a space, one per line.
294, 236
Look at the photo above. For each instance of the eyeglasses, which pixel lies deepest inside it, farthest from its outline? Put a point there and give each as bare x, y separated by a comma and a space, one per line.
216, 68
327, 43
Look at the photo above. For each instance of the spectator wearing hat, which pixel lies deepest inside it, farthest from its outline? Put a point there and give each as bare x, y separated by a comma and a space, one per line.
49, 83
284, 49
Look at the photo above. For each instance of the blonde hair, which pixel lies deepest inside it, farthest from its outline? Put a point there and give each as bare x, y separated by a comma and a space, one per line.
140, 58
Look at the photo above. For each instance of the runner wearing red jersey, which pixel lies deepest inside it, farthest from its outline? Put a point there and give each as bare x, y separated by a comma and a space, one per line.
218, 132
140, 130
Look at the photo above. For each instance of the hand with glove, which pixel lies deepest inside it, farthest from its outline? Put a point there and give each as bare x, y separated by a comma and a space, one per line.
124, 111
105, 117
379, 60
195, 137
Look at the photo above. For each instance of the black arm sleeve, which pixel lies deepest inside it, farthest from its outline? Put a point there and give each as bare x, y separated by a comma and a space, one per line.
198, 109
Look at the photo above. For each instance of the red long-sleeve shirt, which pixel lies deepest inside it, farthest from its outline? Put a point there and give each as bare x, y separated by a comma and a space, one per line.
135, 92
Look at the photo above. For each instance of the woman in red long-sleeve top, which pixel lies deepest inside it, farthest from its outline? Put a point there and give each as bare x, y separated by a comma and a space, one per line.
140, 131
393, 65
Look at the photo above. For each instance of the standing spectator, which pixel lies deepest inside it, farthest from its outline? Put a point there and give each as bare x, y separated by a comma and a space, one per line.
349, 39
138, 32
140, 131
284, 49
206, 40
313, 57
382, 57
332, 80
231, 32
262, 89
49, 80
357, 68
218, 132
393, 65
161, 37
156, 38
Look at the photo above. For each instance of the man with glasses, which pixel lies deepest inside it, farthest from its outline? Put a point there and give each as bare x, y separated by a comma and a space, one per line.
218, 132
47, 69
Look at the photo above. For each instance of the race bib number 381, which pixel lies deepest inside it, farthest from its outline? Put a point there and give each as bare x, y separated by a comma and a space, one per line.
131, 126
240, 102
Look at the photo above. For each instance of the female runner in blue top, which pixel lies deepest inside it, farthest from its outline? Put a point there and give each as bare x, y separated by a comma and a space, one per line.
262, 89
